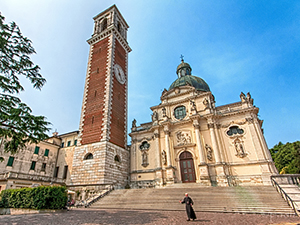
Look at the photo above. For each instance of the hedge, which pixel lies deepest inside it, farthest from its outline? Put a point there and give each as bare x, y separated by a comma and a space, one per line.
43, 197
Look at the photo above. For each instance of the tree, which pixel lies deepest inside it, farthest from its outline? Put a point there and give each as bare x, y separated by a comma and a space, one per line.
287, 157
18, 126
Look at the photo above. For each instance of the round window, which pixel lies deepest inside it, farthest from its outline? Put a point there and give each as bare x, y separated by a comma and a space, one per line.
180, 112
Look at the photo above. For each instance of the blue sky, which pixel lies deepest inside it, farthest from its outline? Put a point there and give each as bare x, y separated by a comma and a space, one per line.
233, 45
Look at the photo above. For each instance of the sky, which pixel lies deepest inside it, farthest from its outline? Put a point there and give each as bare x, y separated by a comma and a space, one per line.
235, 46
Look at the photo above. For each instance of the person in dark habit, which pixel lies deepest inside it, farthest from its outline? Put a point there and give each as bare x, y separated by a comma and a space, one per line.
188, 207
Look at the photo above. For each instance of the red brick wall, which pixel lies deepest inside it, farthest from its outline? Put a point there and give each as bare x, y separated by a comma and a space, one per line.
118, 130
95, 95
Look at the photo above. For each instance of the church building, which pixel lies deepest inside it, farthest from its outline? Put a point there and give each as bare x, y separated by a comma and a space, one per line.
189, 139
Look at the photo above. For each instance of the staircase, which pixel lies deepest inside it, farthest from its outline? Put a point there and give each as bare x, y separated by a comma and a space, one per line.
252, 199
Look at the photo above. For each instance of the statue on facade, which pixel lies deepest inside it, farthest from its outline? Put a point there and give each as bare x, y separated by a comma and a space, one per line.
249, 99
193, 107
134, 123
164, 112
144, 159
208, 152
164, 157
239, 149
164, 91
206, 103
243, 97
154, 116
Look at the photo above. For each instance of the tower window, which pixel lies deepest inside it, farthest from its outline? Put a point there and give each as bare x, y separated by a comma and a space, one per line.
92, 119
75, 142
69, 143
62, 144
119, 27
97, 70
117, 158
104, 25
89, 156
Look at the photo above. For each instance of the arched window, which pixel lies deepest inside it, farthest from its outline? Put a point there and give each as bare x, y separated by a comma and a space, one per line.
234, 130
119, 27
89, 156
104, 25
145, 145
117, 158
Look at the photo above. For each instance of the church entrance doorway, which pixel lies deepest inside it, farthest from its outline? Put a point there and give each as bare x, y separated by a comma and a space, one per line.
187, 167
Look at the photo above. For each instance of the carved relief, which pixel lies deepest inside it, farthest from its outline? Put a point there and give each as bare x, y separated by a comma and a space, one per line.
210, 125
239, 122
209, 152
183, 138
250, 120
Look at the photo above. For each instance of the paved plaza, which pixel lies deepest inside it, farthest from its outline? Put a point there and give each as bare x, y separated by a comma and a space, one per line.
126, 217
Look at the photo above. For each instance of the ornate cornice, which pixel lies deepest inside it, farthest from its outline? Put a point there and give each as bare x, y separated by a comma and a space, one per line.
106, 33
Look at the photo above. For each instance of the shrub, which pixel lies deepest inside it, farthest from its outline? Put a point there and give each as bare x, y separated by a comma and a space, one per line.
43, 197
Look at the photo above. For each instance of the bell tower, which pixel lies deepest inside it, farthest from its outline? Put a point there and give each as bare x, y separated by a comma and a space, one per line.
103, 122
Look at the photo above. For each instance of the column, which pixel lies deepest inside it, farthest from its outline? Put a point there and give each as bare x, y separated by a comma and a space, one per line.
214, 142
133, 155
199, 143
157, 150
167, 143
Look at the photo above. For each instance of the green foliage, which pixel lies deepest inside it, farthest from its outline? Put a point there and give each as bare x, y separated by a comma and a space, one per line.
17, 125
34, 198
287, 157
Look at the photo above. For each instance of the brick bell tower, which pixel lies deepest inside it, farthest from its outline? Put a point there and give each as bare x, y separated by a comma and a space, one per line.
101, 156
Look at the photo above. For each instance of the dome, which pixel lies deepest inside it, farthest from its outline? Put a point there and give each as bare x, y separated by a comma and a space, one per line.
191, 80
186, 78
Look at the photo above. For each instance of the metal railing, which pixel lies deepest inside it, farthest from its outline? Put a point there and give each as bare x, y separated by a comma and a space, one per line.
290, 179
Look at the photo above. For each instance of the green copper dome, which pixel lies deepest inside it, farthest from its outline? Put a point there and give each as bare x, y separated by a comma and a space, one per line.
185, 78
191, 80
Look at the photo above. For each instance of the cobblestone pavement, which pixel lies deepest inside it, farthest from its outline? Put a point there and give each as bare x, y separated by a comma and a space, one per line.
126, 217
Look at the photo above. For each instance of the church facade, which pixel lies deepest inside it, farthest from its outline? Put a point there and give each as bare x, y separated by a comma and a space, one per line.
188, 140
192, 140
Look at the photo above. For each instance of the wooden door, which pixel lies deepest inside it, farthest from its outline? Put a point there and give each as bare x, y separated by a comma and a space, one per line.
187, 168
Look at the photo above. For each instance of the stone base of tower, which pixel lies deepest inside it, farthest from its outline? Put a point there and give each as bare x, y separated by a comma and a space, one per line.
99, 164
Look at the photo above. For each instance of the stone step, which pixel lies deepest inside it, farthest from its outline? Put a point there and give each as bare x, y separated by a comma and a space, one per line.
213, 199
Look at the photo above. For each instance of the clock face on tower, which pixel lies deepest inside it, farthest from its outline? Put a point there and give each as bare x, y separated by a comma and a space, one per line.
119, 73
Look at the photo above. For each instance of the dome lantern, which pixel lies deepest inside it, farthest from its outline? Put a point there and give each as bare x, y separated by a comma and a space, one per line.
186, 78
